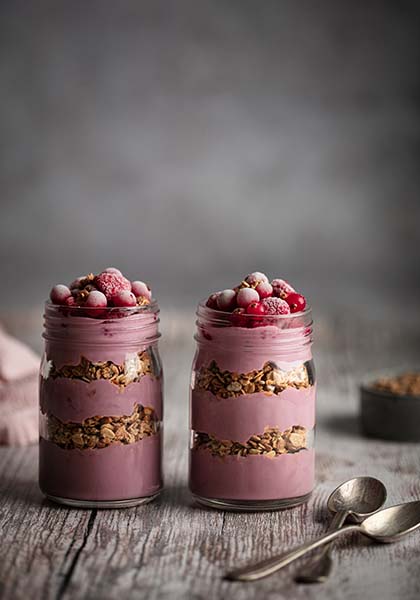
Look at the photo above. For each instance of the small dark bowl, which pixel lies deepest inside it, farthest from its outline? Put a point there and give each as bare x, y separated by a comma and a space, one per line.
389, 416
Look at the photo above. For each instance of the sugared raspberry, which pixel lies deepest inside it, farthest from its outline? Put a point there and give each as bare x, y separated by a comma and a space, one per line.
124, 298
139, 288
255, 308
264, 289
281, 288
59, 294
212, 300
275, 306
113, 270
246, 296
253, 279
226, 300
238, 317
111, 284
297, 302
96, 299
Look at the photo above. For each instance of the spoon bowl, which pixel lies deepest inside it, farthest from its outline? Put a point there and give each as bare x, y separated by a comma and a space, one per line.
390, 524
358, 498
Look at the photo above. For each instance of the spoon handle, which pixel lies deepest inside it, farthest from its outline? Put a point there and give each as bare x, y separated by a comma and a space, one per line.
319, 566
271, 565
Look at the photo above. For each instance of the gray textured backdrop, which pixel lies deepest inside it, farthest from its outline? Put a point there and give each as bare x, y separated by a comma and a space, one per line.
189, 142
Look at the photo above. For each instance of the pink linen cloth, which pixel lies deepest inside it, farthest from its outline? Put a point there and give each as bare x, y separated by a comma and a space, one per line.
19, 368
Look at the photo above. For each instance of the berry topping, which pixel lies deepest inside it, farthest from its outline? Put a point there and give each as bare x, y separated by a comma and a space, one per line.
296, 302
139, 288
255, 308
275, 306
264, 289
95, 293
59, 294
281, 288
246, 296
226, 300
96, 299
111, 284
124, 298
253, 279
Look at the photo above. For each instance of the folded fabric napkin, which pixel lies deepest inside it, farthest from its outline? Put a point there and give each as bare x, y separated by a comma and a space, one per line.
18, 392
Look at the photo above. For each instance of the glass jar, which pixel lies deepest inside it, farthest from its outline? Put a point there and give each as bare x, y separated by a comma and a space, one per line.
252, 411
101, 406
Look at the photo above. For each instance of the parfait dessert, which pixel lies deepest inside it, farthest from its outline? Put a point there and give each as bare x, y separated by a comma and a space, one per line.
101, 393
252, 412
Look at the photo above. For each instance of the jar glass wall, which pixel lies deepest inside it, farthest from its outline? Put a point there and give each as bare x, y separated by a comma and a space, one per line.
101, 406
252, 411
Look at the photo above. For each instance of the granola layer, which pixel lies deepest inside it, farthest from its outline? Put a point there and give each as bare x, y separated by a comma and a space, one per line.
101, 431
270, 380
271, 443
132, 370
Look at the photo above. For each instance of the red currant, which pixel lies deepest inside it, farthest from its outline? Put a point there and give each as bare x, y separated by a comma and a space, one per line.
296, 302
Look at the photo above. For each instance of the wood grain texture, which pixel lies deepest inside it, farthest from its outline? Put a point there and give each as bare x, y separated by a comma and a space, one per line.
171, 549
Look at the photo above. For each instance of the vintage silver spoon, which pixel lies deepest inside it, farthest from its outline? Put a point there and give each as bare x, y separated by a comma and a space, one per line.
387, 525
357, 499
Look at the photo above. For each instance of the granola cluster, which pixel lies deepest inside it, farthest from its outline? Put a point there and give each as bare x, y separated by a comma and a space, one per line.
406, 384
271, 443
133, 369
270, 380
99, 432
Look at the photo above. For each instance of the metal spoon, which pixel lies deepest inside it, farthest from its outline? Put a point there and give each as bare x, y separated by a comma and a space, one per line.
386, 525
357, 498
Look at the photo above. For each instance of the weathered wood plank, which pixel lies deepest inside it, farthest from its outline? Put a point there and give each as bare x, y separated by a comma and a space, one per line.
170, 549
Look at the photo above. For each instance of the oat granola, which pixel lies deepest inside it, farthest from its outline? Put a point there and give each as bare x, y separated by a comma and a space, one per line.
270, 380
132, 370
271, 443
99, 432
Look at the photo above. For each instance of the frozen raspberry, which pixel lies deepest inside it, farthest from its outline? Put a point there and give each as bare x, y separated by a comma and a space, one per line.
246, 296
264, 289
253, 279
139, 288
226, 300
255, 308
238, 317
59, 294
275, 306
113, 270
212, 300
124, 298
96, 299
111, 284
297, 302
281, 288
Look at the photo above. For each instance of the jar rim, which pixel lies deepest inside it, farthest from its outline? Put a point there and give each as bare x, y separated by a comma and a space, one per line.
77, 311
225, 315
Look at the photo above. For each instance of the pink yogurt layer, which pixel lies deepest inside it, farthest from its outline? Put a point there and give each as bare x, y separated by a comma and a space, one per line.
239, 418
75, 400
240, 349
117, 472
252, 477
98, 340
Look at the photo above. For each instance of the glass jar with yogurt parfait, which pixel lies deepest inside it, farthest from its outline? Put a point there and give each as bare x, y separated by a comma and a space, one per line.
101, 401
252, 406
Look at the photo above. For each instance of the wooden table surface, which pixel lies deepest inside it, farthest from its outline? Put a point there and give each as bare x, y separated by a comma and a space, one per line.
171, 549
